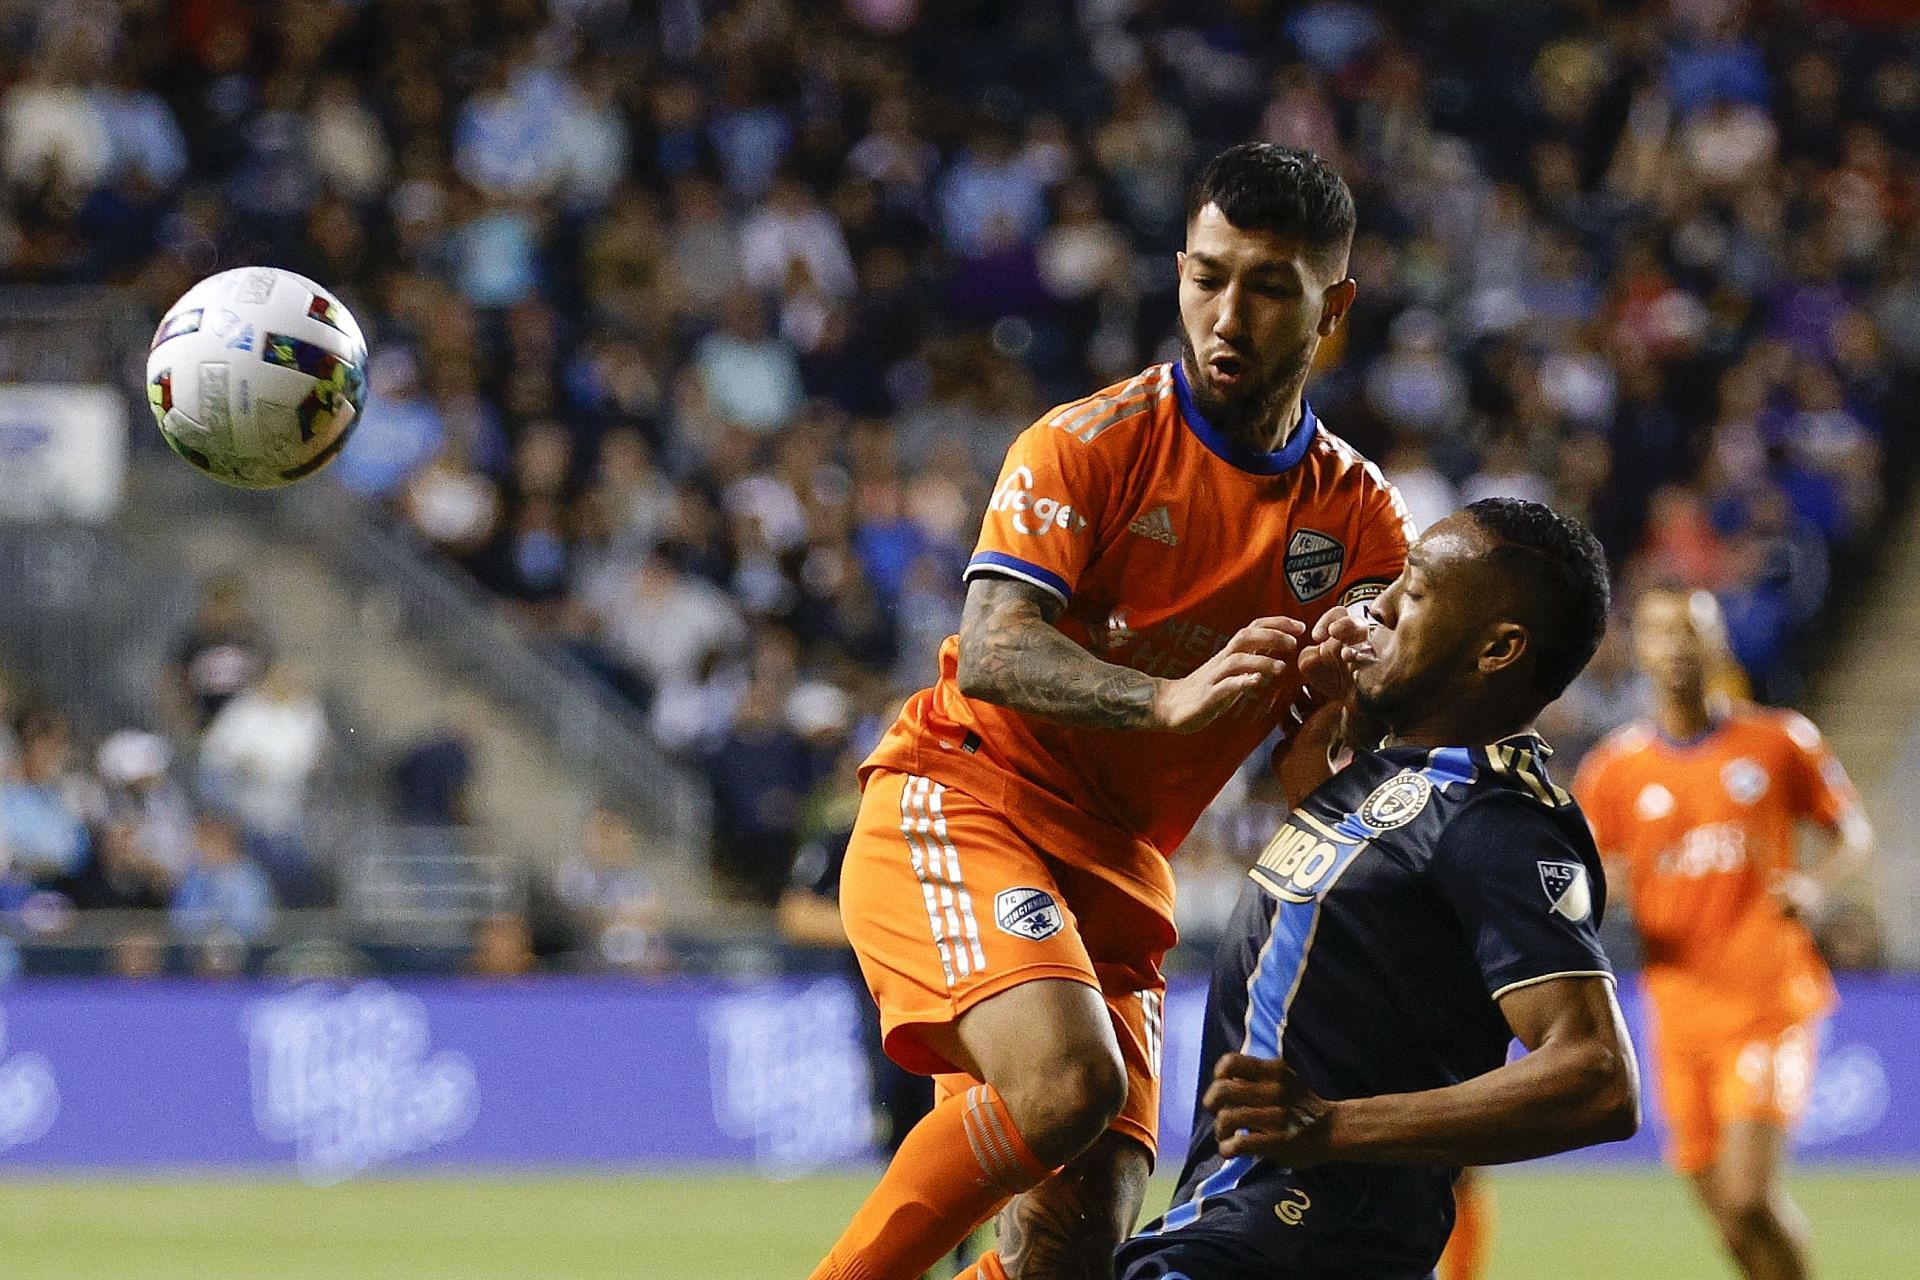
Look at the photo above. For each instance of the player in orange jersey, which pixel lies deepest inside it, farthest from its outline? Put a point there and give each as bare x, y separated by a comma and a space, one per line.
1148, 563
1698, 809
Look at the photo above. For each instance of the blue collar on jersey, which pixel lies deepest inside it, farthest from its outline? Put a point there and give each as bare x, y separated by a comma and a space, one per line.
1715, 723
1221, 446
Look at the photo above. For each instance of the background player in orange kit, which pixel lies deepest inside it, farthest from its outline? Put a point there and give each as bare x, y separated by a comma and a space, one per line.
1697, 811
1149, 560
1471, 1244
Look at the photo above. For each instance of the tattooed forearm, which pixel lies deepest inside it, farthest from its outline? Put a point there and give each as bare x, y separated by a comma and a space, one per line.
1011, 655
1068, 1227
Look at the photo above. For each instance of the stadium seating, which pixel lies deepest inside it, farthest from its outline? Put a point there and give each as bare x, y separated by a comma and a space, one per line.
698, 336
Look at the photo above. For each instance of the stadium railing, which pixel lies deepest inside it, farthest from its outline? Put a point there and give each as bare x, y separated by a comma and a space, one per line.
99, 336
591, 727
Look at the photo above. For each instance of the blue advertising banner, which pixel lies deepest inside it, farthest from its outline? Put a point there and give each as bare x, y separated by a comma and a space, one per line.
329, 1081
1864, 1105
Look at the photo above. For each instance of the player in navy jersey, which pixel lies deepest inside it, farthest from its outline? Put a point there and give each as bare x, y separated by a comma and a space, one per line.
1430, 902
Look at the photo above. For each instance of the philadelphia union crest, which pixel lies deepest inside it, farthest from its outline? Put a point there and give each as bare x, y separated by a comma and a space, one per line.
1396, 802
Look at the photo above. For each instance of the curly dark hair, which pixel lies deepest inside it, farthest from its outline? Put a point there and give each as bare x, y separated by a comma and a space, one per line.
1564, 588
1263, 186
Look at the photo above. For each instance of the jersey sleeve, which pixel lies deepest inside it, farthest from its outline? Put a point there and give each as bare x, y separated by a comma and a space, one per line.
1527, 894
1380, 545
1822, 790
1044, 517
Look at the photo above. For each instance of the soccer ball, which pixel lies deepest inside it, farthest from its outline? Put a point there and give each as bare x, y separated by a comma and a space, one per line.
257, 376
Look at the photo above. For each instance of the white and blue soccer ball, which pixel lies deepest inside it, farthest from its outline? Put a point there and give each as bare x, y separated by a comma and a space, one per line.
257, 377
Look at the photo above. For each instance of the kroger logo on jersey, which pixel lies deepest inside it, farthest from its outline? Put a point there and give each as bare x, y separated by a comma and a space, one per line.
1029, 514
1713, 849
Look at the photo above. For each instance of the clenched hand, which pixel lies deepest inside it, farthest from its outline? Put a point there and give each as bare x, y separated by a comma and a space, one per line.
1262, 1108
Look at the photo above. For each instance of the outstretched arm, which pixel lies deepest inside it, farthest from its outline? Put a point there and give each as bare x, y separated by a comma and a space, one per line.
1012, 655
1578, 1085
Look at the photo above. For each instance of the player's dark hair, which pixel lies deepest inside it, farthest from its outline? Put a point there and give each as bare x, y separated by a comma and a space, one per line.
1564, 589
1263, 186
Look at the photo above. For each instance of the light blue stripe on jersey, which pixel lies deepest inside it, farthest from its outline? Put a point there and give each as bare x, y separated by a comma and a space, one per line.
1282, 964
1225, 1178
1276, 976
1449, 764
1271, 992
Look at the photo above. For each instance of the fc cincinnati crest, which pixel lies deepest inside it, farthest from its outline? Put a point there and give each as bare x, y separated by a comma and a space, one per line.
1396, 802
1027, 913
1567, 889
1744, 780
1314, 562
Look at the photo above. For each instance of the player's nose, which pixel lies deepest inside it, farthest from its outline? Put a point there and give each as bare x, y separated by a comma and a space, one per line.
1228, 322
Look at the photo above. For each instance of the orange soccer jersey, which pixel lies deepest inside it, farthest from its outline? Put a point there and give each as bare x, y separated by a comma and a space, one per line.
1162, 538
1704, 830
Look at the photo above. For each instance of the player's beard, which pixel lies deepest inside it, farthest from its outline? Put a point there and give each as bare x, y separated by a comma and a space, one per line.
1252, 415
1395, 700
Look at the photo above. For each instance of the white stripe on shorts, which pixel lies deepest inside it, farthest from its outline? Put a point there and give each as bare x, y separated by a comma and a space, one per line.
939, 876
1153, 1007
972, 926
909, 818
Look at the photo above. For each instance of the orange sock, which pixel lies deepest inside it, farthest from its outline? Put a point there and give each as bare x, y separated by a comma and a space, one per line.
988, 1268
955, 1168
1472, 1239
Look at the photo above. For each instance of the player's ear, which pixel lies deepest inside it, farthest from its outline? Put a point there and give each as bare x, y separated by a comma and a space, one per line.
1506, 644
1180, 262
1335, 303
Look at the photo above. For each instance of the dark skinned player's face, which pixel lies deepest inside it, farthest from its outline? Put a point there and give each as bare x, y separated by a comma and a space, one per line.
1431, 627
1253, 308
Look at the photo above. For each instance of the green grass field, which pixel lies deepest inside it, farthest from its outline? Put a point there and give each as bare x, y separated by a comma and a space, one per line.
1634, 1226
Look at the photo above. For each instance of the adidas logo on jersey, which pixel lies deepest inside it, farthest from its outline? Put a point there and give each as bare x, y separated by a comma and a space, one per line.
1155, 524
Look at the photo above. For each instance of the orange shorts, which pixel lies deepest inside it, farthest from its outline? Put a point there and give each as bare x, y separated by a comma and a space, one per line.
947, 903
1703, 1090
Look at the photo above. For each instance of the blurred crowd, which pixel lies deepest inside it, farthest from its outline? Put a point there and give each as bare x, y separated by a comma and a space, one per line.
201, 817
199, 828
700, 328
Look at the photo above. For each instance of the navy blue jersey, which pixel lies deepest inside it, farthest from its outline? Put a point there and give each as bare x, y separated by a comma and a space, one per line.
1382, 923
